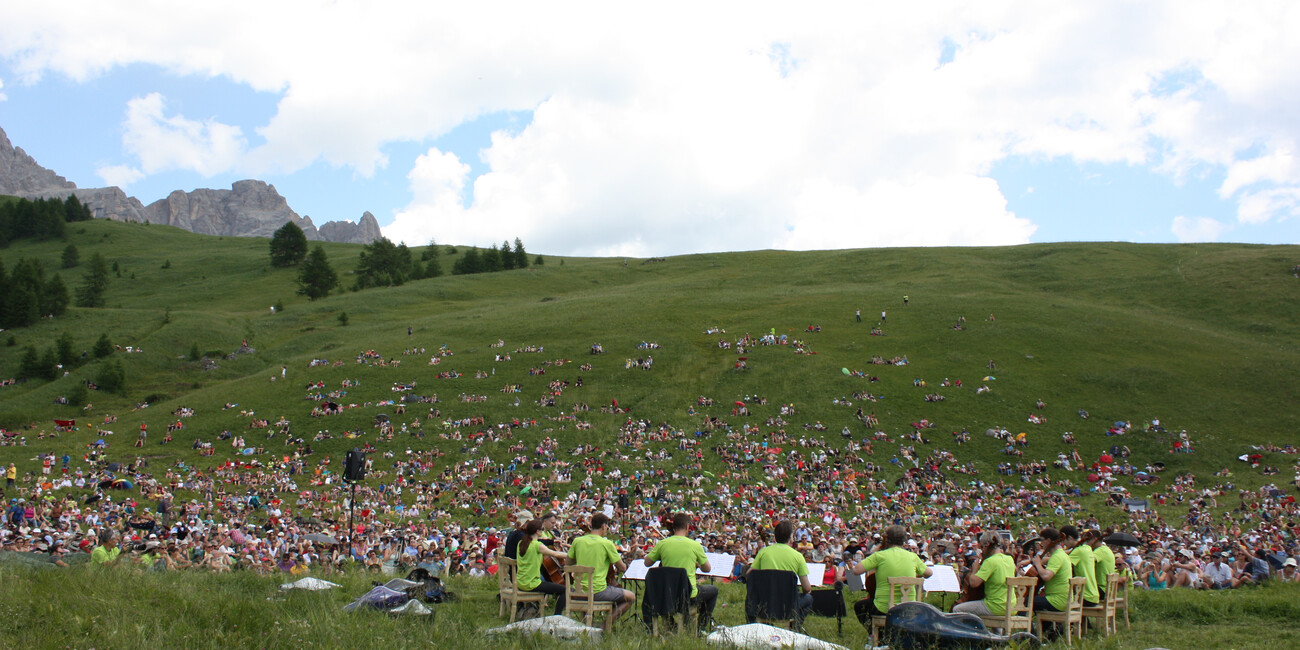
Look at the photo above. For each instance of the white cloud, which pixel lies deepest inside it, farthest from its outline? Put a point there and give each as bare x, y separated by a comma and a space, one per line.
1198, 229
738, 126
163, 143
119, 175
2, 95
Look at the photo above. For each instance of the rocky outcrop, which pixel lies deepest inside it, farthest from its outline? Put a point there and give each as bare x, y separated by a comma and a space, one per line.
247, 209
21, 175
250, 208
363, 232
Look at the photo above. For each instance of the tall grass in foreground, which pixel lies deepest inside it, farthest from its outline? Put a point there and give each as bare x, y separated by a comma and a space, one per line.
120, 608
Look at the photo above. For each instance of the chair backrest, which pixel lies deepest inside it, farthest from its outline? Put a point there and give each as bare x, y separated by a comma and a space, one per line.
506, 570
770, 594
1075, 601
907, 589
667, 592
1112, 590
1020, 596
575, 576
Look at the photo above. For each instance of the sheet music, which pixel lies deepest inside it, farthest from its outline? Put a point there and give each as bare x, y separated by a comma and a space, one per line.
636, 570
944, 579
855, 582
816, 573
720, 565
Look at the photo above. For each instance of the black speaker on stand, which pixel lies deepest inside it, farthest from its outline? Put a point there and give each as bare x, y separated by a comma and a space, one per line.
354, 471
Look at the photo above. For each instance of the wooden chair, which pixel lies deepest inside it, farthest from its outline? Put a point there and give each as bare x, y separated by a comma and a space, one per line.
1121, 602
772, 595
511, 595
1072, 617
1106, 609
1020, 607
658, 588
583, 599
907, 590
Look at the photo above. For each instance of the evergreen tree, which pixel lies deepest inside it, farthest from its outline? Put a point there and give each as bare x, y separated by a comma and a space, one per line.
539, 261
54, 299
288, 245
491, 260
4, 292
507, 257
381, 264
71, 256
430, 258
521, 256
30, 366
49, 365
63, 347
112, 376
74, 210
103, 347
316, 278
94, 284
467, 264
22, 307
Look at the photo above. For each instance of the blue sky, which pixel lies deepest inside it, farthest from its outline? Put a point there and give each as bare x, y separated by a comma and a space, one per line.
841, 126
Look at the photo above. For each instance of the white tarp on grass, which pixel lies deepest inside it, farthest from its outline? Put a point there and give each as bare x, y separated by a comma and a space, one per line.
557, 626
758, 636
310, 584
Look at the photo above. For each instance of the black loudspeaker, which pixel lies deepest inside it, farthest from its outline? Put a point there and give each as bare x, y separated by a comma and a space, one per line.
354, 469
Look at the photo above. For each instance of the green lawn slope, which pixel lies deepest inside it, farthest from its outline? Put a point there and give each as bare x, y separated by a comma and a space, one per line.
1204, 337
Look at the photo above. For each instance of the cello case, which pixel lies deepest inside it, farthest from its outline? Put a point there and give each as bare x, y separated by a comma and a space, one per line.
921, 625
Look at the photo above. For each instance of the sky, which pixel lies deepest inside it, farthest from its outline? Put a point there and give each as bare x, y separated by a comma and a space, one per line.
637, 129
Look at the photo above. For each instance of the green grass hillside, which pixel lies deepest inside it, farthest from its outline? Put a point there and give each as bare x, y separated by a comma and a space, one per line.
1204, 337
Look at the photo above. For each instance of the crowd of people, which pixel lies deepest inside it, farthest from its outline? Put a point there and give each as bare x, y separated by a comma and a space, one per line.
744, 479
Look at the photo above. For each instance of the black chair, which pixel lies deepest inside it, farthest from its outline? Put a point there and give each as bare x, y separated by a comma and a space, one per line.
772, 595
667, 594
830, 603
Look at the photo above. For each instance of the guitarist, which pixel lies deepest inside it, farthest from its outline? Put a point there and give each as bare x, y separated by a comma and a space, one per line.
991, 573
678, 550
597, 552
531, 549
891, 561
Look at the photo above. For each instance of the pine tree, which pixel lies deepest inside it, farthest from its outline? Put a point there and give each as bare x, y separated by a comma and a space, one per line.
71, 257
103, 347
491, 261
49, 365
316, 278
521, 256
112, 376
63, 347
507, 257
54, 299
94, 284
288, 245
30, 366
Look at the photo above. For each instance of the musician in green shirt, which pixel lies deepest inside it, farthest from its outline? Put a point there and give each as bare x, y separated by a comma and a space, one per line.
1056, 572
782, 557
529, 567
1084, 562
991, 572
889, 562
678, 550
597, 552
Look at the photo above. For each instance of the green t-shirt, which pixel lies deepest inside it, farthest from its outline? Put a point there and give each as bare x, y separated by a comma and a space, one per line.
780, 557
100, 555
1105, 564
679, 551
892, 562
1058, 588
994, 571
1084, 563
529, 566
596, 552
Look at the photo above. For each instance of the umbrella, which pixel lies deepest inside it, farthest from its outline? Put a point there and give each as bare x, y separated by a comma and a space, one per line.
844, 370
321, 538
739, 403
1122, 539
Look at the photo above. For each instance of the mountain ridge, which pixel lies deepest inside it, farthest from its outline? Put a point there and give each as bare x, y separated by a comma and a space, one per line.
250, 208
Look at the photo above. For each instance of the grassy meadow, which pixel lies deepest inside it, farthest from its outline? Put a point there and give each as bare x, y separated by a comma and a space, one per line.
87, 608
1204, 337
